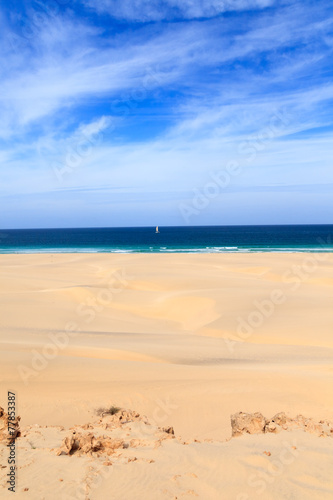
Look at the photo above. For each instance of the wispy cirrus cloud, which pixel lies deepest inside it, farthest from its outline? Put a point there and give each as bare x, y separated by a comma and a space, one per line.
146, 10
172, 101
58, 77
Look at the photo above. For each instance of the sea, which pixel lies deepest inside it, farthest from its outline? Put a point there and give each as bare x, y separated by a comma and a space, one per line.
198, 239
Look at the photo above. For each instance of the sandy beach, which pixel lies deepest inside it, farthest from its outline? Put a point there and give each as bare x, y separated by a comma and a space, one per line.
185, 341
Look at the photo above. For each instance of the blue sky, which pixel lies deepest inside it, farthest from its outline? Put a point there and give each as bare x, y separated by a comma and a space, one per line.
166, 112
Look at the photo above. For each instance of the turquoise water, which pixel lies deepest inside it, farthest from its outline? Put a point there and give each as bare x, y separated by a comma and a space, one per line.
199, 239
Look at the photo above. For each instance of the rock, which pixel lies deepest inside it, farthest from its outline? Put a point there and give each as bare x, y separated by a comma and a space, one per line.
272, 427
67, 446
300, 419
254, 423
281, 419
247, 423
89, 444
110, 445
135, 443
86, 444
122, 417
168, 430
86, 427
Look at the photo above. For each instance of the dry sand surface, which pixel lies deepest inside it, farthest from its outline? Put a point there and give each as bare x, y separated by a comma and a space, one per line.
178, 340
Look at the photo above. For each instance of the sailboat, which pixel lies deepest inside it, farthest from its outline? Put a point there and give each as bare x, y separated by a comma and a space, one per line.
157, 231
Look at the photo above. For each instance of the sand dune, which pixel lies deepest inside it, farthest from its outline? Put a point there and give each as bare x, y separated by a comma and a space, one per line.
187, 340
127, 456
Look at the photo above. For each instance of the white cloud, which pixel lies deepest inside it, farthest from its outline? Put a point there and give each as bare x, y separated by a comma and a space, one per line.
57, 79
95, 127
66, 91
63, 74
158, 10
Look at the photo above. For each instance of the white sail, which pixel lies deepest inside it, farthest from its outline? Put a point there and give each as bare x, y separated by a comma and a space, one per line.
157, 229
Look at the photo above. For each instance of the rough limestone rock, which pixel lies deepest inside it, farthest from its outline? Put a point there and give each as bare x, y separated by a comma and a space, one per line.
67, 446
168, 430
5, 436
123, 417
282, 420
86, 444
256, 423
247, 423
272, 427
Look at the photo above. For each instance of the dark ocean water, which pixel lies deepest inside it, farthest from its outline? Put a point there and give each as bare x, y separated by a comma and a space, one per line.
302, 238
